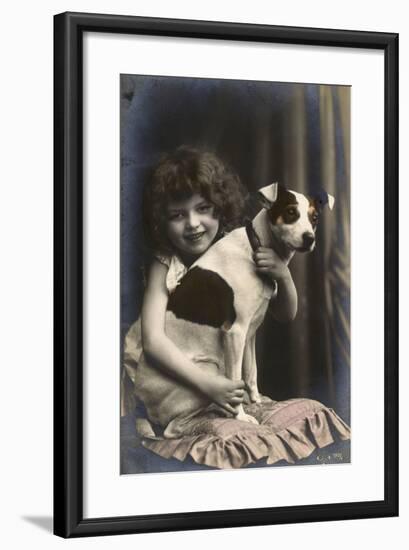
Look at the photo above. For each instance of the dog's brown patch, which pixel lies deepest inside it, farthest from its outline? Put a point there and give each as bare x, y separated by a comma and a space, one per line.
313, 212
284, 210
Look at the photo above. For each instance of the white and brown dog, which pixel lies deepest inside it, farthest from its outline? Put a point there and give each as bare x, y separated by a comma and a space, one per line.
214, 313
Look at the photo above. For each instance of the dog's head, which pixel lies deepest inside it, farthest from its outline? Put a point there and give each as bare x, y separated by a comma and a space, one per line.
293, 216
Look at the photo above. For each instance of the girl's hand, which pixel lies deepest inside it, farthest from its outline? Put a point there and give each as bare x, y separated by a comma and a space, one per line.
268, 262
284, 305
226, 393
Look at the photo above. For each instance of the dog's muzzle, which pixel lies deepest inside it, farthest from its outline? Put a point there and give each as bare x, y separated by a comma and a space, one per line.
308, 241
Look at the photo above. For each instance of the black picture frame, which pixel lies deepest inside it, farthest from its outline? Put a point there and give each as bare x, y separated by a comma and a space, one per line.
68, 274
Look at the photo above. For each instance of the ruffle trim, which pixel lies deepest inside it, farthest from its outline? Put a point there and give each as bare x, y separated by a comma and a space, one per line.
291, 444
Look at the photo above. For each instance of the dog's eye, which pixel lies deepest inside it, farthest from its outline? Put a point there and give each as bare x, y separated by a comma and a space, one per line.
291, 211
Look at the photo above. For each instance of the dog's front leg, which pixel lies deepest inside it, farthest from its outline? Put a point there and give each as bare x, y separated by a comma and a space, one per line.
250, 369
234, 343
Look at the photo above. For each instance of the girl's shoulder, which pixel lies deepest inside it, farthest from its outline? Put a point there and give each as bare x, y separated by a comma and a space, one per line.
176, 270
163, 259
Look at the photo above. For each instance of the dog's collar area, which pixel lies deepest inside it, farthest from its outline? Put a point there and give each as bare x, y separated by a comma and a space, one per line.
252, 236
255, 243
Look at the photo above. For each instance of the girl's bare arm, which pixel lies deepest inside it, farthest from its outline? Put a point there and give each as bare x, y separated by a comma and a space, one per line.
163, 351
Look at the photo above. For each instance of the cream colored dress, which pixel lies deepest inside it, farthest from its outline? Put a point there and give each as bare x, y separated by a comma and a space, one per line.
133, 339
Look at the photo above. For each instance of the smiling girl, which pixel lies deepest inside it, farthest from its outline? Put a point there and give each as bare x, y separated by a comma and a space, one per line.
190, 202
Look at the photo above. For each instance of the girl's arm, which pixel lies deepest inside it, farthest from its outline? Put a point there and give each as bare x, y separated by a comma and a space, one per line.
284, 306
168, 356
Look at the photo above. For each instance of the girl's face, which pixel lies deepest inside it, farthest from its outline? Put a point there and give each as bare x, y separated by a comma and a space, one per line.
191, 225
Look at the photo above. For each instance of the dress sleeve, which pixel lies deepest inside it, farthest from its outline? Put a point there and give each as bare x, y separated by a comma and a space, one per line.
177, 270
165, 260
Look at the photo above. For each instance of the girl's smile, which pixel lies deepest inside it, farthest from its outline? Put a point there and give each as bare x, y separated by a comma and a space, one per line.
191, 225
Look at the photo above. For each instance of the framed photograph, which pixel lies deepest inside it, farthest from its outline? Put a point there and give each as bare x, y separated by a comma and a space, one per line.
226, 303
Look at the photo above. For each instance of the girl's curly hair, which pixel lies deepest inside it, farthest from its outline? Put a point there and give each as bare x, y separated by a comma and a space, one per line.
181, 174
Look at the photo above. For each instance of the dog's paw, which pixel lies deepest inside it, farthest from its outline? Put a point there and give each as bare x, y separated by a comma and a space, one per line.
254, 396
246, 418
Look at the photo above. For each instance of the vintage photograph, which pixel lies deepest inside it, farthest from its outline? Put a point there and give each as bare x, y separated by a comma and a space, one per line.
234, 274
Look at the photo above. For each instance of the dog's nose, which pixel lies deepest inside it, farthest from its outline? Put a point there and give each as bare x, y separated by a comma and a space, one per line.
308, 239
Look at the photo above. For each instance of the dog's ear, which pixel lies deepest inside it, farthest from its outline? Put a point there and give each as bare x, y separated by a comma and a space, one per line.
331, 201
268, 195
322, 198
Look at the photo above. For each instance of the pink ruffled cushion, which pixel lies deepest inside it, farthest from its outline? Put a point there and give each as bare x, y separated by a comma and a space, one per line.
288, 430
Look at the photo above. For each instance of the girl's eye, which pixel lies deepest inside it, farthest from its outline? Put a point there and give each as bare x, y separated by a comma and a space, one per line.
175, 216
204, 208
